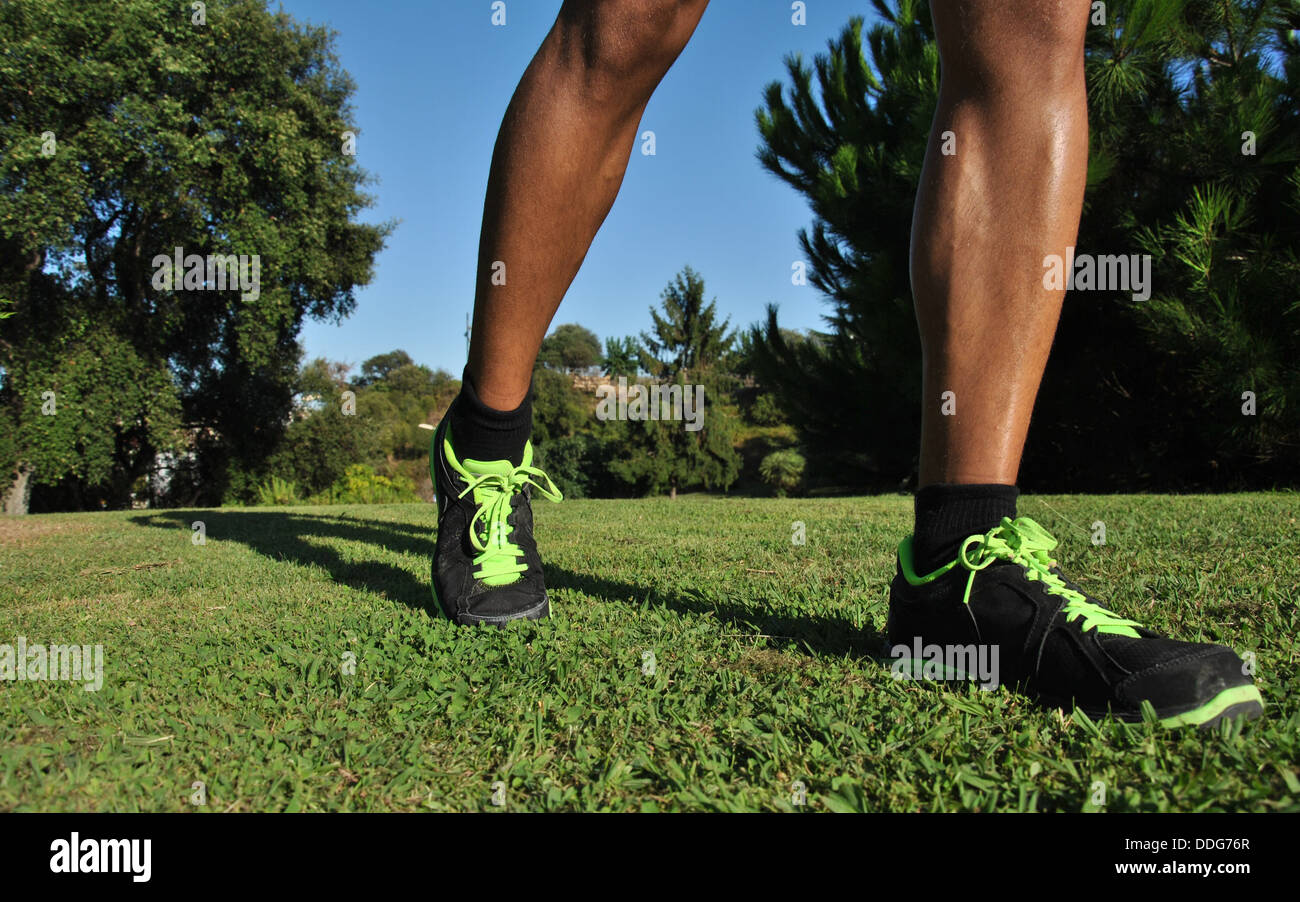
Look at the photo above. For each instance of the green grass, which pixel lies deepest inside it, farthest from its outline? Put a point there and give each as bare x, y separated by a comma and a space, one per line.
224, 664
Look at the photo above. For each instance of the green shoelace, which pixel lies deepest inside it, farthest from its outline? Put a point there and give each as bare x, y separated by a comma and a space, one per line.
1024, 542
498, 561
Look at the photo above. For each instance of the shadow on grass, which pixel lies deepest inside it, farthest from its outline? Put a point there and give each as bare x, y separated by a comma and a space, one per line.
295, 537
292, 536
819, 636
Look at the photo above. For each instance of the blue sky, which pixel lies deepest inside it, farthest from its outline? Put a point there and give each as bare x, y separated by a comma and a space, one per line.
433, 80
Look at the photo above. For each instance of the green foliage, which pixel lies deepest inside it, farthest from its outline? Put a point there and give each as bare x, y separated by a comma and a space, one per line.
655, 456
783, 470
8, 450
686, 339
559, 410
622, 356
1221, 321
684, 349
324, 440
88, 410
361, 485
128, 131
395, 406
318, 449
856, 156
570, 347
278, 491
578, 465
766, 411
381, 366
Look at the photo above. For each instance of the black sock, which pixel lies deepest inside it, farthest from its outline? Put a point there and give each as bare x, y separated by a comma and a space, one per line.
946, 514
479, 432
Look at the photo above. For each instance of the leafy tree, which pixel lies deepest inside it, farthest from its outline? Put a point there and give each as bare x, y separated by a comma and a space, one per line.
130, 129
758, 404
766, 411
1213, 195
317, 450
378, 368
579, 465
655, 456
396, 406
559, 409
570, 347
379, 430
91, 412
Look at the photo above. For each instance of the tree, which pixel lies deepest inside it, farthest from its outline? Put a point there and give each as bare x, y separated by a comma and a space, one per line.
132, 129
377, 428
853, 391
686, 339
559, 409
622, 356
655, 455
1215, 201
93, 414
377, 368
570, 347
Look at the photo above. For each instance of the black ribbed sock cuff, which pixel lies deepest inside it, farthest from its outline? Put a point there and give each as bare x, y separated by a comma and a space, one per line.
946, 514
479, 432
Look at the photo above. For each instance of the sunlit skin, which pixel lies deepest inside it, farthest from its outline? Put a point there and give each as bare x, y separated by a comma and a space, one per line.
1014, 98
559, 161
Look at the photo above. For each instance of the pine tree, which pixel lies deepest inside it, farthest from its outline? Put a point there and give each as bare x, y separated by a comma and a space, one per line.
684, 349
686, 339
853, 391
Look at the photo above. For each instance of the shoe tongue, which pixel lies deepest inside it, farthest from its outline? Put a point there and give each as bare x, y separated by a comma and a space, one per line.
498, 467
482, 467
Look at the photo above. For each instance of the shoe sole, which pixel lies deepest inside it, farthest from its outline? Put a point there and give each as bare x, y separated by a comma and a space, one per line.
1230, 704
1238, 701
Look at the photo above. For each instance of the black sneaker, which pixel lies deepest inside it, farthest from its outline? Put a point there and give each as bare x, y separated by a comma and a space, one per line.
485, 565
1047, 637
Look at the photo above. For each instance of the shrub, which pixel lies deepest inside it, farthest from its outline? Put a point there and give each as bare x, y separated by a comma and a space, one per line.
782, 470
360, 485
278, 491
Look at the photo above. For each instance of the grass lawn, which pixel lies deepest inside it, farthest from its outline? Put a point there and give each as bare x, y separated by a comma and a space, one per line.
696, 659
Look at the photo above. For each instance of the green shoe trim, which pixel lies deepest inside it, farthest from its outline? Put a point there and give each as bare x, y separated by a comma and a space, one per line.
1021, 541
1223, 701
